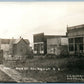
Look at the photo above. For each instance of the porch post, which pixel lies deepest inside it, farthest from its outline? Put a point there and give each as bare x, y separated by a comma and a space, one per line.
74, 45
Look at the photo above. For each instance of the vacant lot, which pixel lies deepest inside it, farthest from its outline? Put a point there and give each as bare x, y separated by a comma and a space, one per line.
53, 69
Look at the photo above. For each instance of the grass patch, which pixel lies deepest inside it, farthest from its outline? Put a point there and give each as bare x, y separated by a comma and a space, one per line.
68, 66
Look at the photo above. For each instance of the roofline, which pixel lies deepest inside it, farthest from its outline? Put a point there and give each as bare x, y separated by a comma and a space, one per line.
75, 27
38, 33
23, 40
55, 35
51, 35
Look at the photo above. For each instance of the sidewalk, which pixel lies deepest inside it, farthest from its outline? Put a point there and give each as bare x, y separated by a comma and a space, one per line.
16, 75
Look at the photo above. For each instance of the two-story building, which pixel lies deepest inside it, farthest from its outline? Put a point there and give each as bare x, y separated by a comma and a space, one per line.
76, 39
15, 47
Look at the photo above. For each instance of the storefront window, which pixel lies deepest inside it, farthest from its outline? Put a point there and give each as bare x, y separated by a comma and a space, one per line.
81, 46
35, 47
42, 47
71, 47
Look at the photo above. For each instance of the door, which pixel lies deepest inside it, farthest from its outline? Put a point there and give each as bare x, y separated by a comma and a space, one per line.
38, 49
77, 49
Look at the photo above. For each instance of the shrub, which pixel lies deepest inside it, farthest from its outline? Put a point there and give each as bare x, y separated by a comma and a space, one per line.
50, 56
75, 63
29, 54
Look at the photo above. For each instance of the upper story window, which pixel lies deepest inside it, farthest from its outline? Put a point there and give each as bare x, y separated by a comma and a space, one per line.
71, 47
79, 40
70, 40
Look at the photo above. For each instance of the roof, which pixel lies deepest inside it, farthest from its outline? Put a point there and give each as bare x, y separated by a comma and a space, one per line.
75, 27
40, 37
18, 40
49, 36
27, 41
5, 41
15, 41
39, 34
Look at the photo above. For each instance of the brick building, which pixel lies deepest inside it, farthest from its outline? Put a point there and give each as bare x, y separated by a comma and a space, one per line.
48, 44
76, 39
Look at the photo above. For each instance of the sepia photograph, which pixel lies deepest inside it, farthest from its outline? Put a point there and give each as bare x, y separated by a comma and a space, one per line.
42, 42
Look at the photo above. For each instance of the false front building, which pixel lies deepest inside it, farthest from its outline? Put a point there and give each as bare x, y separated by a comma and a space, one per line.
57, 45
49, 44
76, 39
40, 44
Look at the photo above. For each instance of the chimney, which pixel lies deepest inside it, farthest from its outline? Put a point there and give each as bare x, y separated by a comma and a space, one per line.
20, 37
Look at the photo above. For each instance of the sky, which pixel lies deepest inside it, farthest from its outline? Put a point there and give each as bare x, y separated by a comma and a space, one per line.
27, 18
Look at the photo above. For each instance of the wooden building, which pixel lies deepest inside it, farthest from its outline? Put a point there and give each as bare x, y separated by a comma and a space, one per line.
39, 44
4, 45
15, 47
20, 46
48, 44
57, 45
76, 39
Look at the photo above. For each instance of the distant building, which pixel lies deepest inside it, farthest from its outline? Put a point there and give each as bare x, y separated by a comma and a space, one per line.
40, 44
76, 39
48, 44
4, 45
15, 47
57, 45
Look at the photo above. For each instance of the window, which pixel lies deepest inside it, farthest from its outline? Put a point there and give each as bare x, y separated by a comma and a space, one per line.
70, 40
81, 46
79, 40
35, 47
71, 47
75, 47
42, 47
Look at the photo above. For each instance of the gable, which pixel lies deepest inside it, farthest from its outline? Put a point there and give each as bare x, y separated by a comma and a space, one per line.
22, 42
21, 39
